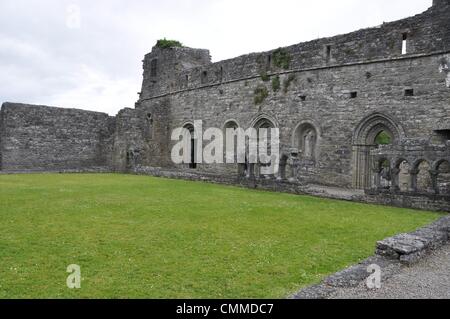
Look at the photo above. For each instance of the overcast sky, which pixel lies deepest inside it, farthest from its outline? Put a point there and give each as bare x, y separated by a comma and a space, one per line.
50, 56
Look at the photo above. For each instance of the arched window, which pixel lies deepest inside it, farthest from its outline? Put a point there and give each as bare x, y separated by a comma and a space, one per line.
383, 138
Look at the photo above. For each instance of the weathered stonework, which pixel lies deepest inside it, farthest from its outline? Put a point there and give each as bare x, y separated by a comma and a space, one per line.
391, 254
331, 98
41, 138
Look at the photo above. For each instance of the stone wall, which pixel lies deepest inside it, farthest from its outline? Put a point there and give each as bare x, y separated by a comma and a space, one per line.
42, 138
331, 85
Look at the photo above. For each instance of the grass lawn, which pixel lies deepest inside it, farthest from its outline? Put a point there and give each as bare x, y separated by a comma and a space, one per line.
143, 237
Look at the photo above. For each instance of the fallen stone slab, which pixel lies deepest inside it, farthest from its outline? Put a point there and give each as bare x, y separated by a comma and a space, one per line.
391, 254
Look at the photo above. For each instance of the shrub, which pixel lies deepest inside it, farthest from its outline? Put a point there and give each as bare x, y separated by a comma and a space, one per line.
261, 93
264, 76
167, 44
281, 58
276, 84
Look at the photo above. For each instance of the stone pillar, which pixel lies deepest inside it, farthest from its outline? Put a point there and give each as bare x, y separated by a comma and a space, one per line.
434, 182
376, 179
395, 188
251, 171
413, 173
282, 172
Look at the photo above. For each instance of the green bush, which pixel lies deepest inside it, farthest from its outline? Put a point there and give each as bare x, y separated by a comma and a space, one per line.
281, 58
261, 93
276, 84
264, 76
167, 44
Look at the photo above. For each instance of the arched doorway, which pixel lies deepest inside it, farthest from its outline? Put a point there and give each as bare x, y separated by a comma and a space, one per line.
265, 169
193, 145
232, 159
375, 130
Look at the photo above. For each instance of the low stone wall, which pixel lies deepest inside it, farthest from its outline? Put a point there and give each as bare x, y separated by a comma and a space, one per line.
431, 202
391, 254
426, 202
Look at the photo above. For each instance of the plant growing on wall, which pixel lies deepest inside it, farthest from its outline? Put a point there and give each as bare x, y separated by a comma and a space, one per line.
276, 84
261, 93
264, 76
167, 44
281, 58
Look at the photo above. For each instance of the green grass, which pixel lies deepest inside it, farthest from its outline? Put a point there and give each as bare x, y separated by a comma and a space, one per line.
143, 237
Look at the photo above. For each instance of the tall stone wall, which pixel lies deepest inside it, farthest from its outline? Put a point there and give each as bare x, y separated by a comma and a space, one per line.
42, 138
328, 107
177, 71
331, 85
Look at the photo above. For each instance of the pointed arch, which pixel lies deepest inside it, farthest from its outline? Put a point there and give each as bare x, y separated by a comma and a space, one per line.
365, 139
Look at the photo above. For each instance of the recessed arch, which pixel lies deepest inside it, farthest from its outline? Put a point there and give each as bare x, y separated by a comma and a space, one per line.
305, 139
264, 121
264, 118
442, 169
193, 144
371, 126
365, 139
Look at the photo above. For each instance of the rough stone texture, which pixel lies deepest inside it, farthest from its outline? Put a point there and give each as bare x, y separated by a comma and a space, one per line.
41, 138
337, 94
428, 279
391, 255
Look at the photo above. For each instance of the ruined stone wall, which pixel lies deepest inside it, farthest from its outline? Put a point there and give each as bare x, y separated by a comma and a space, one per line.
330, 84
41, 138
424, 33
327, 106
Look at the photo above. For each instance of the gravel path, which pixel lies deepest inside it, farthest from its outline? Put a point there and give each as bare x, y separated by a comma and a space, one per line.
429, 279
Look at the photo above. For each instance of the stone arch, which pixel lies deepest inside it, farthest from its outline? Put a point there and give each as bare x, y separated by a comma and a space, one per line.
193, 145
364, 141
267, 122
306, 139
422, 171
369, 128
264, 118
401, 175
241, 168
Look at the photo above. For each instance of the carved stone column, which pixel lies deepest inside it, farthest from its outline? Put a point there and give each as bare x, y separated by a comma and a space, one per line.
434, 181
395, 188
413, 173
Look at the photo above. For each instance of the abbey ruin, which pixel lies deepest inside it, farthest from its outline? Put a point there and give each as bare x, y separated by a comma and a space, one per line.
367, 113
